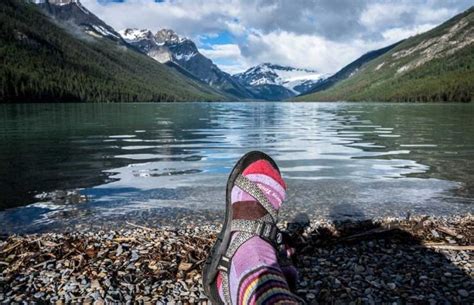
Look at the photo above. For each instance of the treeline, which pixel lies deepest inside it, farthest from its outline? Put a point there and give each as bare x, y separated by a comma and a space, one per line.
42, 61
447, 79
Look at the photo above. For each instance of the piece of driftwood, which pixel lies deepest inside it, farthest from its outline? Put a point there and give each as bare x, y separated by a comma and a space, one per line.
447, 230
141, 227
18, 243
369, 233
446, 246
420, 224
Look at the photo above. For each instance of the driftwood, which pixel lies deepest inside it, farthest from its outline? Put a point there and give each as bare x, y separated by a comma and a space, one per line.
444, 246
369, 233
141, 227
447, 231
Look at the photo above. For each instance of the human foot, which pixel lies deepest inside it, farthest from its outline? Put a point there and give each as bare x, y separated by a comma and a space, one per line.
243, 266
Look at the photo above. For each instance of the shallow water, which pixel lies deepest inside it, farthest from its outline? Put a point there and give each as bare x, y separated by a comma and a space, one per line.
339, 159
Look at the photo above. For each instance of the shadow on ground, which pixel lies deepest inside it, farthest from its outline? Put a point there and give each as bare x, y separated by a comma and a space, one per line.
343, 265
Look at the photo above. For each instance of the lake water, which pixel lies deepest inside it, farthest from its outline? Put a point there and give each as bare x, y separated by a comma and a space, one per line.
339, 159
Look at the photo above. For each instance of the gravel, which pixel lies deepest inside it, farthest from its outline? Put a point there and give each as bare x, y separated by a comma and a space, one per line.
387, 261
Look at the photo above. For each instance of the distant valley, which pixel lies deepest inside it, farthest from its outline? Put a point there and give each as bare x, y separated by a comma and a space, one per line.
266, 81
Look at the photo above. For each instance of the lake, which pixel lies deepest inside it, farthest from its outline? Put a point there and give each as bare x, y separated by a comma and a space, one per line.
72, 165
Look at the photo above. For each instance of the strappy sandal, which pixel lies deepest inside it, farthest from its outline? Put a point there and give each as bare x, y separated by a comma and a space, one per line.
264, 227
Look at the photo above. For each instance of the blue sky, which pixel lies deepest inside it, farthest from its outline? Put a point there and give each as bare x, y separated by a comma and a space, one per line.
322, 35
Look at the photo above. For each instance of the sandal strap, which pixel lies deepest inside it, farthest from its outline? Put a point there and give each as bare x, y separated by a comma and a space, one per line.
266, 230
224, 262
251, 188
247, 229
264, 227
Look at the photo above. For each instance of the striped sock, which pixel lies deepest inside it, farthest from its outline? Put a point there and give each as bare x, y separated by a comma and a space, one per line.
255, 276
265, 285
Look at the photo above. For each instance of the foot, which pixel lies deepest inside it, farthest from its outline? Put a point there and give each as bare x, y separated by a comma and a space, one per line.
246, 254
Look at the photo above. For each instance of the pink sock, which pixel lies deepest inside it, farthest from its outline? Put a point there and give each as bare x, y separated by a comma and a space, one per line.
255, 276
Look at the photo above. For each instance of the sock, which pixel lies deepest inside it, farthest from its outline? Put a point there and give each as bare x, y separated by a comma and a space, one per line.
255, 276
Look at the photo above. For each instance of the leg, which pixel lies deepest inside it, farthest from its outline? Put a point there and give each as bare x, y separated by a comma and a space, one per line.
243, 267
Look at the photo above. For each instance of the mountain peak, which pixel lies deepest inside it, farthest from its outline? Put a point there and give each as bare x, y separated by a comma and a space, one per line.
277, 67
167, 35
55, 2
133, 34
293, 80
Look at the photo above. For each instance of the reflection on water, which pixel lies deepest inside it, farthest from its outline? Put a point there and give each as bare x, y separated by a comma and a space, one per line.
385, 159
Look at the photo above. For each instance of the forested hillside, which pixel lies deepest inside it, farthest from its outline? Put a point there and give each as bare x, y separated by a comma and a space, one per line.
42, 60
436, 66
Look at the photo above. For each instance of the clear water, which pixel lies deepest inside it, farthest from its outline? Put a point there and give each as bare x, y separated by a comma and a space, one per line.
339, 159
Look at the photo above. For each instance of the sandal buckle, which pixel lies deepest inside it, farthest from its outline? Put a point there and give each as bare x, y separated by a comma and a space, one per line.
279, 238
224, 264
269, 232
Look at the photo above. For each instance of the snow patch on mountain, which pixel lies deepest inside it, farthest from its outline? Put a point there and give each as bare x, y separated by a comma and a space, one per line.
103, 31
131, 35
165, 46
159, 46
288, 77
185, 56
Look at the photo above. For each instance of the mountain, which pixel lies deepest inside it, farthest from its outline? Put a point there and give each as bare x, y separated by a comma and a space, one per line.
167, 47
72, 11
275, 82
348, 71
436, 66
45, 58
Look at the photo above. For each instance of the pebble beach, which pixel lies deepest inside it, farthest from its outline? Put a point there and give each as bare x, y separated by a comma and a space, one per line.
412, 260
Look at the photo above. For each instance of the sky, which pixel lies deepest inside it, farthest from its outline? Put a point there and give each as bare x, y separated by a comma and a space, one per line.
322, 35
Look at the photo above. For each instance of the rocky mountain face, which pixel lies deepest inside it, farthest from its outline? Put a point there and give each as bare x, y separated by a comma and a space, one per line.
72, 11
167, 47
275, 82
437, 65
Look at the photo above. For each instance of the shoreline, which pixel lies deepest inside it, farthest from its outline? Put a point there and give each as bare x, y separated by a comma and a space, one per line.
420, 259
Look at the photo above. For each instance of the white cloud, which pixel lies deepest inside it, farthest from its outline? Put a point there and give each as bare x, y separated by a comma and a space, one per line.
319, 34
228, 57
304, 51
397, 34
222, 51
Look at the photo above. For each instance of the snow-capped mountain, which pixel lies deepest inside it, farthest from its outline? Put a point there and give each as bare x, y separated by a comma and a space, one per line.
73, 12
272, 81
167, 47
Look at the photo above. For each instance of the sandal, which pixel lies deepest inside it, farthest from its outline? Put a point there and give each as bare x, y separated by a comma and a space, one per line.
264, 227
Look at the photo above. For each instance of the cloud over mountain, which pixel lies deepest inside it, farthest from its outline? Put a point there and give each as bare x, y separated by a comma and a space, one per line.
317, 34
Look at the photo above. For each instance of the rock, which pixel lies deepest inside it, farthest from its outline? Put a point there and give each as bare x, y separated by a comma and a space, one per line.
96, 285
184, 266
391, 286
119, 250
463, 293
310, 296
100, 301
435, 233
135, 256
359, 268
39, 295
